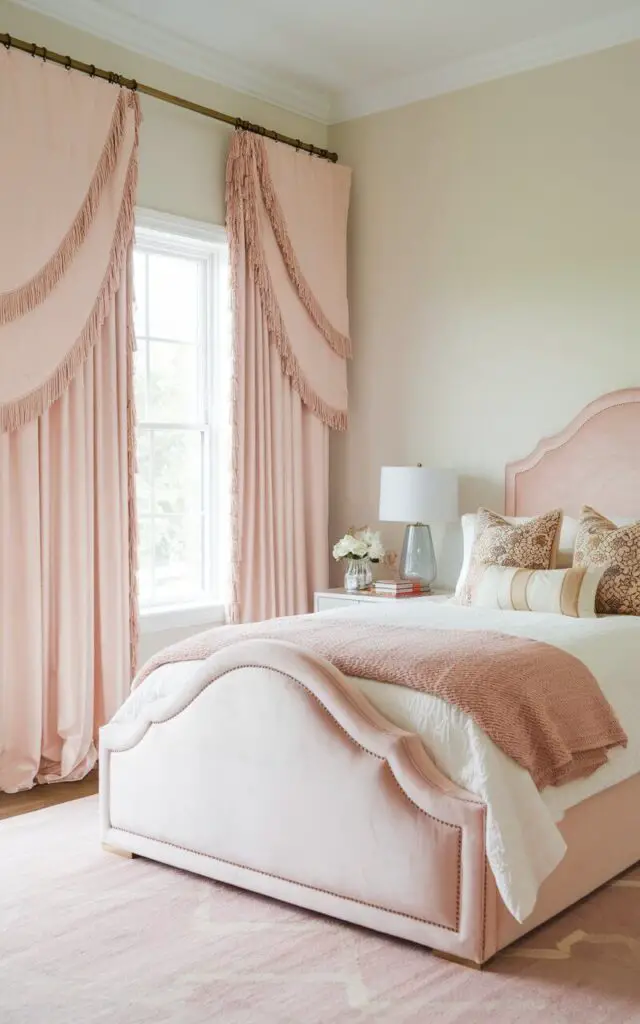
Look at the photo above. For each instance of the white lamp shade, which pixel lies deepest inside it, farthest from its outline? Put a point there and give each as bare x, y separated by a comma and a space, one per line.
416, 494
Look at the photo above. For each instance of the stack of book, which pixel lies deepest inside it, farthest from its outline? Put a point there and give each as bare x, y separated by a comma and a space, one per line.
400, 588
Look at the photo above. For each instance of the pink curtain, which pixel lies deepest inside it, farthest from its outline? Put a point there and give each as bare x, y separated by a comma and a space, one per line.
287, 216
68, 611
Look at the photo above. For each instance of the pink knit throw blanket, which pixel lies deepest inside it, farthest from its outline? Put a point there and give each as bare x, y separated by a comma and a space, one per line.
540, 705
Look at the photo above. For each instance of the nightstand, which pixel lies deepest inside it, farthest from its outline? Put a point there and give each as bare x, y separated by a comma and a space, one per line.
340, 598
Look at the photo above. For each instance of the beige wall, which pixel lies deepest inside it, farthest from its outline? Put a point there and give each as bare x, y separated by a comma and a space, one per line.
182, 155
494, 273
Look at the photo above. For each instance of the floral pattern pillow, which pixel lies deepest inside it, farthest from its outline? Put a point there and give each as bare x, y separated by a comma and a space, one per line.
529, 545
616, 548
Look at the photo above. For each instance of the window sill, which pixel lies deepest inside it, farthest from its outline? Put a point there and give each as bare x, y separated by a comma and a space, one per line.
154, 620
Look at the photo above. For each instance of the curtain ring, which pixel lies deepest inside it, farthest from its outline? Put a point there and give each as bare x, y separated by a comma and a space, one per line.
134, 85
34, 47
44, 55
297, 145
92, 71
67, 63
7, 42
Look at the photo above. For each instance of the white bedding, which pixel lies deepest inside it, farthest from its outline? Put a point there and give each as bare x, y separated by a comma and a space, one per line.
523, 843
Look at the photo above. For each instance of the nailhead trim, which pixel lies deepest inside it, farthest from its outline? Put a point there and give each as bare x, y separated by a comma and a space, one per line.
448, 824
289, 881
372, 753
484, 891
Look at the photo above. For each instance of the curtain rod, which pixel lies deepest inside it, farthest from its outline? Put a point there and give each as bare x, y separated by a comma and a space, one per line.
130, 83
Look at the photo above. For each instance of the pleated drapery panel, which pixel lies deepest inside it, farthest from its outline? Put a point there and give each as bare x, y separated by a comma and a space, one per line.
287, 224
68, 609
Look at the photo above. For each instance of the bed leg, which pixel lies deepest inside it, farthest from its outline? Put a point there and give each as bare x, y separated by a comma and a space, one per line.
119, 852
452, 958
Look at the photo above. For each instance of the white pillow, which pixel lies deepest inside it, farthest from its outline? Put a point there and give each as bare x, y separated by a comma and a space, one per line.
560, 591
564, 560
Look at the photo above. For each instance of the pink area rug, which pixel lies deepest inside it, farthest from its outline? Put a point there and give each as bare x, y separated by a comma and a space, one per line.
89, 937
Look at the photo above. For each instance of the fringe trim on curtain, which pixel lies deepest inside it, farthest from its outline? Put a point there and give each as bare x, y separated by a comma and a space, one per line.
132, 466
236, 242
242, 212
340, 343
244, 235
27, 297
16, 414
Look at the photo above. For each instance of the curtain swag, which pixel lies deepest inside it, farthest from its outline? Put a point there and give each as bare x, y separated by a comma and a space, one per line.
253, 210
52, 316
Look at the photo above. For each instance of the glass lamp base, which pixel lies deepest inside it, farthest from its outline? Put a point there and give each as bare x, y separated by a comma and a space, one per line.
418, 559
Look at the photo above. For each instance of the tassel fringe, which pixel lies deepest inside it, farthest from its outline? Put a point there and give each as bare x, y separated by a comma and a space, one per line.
340, 343
244, 227
23, 300
16, 414
132, 466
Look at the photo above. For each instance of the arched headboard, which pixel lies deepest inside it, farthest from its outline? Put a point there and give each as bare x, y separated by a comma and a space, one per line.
594, 461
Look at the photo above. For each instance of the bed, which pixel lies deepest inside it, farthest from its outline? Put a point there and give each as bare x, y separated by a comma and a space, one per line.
273, 772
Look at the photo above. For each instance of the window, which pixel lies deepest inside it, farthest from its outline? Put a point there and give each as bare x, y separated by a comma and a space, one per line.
182, 379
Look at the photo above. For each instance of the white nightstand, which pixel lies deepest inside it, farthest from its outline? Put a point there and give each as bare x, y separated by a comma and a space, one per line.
340, 598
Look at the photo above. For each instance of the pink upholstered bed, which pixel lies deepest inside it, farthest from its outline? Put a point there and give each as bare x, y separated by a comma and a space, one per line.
278, 775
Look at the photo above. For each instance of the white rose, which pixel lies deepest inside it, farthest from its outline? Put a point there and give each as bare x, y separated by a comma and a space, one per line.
338, 550
344, 547
359, 549
366, 535
376, 549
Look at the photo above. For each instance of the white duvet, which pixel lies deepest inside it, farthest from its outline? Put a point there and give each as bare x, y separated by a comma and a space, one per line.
524, 844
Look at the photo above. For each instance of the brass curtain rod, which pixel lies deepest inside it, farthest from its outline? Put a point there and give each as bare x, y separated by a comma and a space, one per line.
130, 83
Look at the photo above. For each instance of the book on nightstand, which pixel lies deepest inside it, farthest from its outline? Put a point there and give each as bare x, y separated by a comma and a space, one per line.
400, 588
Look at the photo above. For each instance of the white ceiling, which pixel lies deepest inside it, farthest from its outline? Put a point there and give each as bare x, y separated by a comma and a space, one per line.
335, 59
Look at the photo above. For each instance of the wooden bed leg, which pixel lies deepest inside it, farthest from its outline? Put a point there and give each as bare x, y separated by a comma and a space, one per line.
452, 958
119, 852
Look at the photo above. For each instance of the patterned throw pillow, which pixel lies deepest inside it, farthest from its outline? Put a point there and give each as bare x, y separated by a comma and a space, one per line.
529, 545
617, 550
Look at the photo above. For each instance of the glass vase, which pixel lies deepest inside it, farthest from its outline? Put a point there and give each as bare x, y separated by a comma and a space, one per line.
355, 577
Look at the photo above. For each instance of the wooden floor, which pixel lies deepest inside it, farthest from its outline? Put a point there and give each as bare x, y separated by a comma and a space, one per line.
45, 796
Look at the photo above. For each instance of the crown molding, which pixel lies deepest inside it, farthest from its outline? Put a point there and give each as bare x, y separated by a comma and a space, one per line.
600, 34
283, 91
150, 40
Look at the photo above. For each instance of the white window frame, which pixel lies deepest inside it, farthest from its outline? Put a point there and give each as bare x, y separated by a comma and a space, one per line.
163, 232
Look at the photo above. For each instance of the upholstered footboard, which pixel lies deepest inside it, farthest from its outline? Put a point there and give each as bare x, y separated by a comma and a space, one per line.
270, 772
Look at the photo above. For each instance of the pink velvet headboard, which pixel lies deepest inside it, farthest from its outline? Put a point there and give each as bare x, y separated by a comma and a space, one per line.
594, 461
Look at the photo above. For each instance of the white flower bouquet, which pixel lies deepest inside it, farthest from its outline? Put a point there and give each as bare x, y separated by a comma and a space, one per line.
360, 544
359, 548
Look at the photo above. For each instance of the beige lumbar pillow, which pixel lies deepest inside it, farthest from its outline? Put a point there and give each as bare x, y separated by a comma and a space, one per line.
616, 551
560, 591
527, 545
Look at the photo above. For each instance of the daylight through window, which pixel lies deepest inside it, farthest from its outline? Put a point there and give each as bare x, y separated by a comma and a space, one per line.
181, 385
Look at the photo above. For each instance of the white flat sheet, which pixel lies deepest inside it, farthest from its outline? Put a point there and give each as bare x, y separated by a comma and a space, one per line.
524, 844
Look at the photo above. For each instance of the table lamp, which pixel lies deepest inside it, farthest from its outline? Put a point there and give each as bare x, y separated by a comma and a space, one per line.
417, 495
